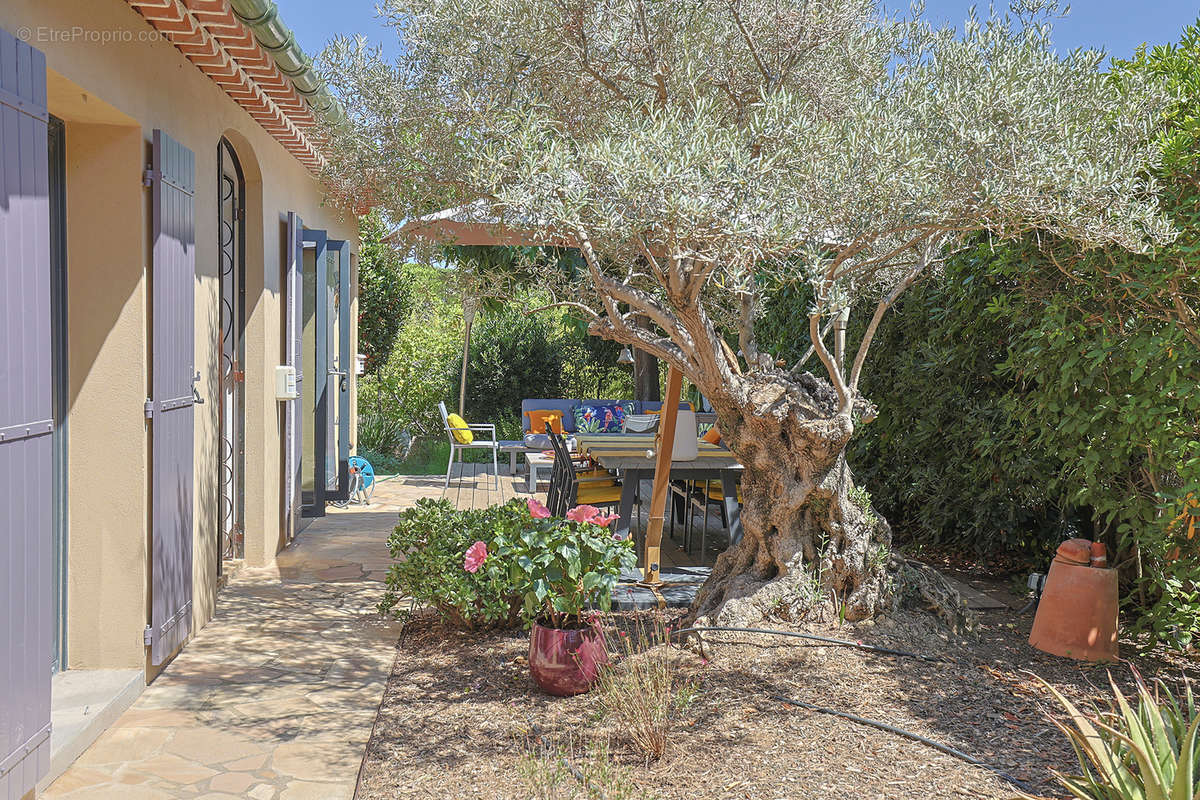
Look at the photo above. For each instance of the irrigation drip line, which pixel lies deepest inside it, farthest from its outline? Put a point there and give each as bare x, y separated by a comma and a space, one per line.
870, 648
916, 737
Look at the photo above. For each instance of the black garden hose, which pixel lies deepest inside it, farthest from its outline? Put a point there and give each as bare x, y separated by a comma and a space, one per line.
870, 648
916, 737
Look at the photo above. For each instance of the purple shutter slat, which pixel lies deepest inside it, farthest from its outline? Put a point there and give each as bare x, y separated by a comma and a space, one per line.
25, 421
294, 343
170, 407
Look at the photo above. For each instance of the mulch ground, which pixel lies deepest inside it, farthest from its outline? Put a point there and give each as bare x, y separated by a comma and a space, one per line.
460, 713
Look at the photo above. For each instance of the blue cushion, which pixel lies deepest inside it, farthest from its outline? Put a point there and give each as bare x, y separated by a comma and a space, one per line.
541, 441
646, 406
538, 441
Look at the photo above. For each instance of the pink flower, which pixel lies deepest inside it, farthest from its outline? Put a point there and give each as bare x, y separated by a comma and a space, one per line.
476, 555
536, 509
584, 513
604, 520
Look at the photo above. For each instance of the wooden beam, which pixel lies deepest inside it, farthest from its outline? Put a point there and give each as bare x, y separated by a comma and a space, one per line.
662, 476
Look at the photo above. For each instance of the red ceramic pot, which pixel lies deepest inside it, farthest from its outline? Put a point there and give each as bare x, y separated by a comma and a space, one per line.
566, 661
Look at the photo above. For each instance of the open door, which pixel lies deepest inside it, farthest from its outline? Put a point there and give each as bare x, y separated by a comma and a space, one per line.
170, 407
337, 459
26, 421
293, 354
314, 404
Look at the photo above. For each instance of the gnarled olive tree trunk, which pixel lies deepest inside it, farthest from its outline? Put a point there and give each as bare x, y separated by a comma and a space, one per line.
806, 541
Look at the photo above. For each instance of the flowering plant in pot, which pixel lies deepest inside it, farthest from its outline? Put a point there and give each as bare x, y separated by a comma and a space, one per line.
563, 568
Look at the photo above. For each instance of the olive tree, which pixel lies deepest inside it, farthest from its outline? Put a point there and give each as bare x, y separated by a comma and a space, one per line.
697, 151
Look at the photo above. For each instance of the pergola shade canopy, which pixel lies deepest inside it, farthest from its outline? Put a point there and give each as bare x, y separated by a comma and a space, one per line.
477, 224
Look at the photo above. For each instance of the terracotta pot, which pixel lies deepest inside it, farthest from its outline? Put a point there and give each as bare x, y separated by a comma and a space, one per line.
1077, 615
566, 661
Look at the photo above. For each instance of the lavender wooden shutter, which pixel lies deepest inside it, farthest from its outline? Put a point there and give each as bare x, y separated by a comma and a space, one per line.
170, 407
26, 420
294, 281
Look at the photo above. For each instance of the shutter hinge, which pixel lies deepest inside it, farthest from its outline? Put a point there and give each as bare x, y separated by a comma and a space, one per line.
240, 214
148, 636
149, 407
149, 175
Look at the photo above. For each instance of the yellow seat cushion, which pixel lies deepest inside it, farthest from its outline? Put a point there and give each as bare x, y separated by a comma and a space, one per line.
539, 418
590, 494
598, 472
715, 492
712, 435
458, 428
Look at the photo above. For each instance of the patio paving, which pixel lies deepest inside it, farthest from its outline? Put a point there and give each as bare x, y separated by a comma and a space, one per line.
275, 698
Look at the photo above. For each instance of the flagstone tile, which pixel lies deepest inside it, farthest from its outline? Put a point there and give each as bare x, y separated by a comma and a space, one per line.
115, 745
236, 783
211, 746
249, 763
319, 761
174, 769
82, 778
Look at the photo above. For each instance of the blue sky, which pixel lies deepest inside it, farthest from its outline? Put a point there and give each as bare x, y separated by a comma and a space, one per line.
1118, 26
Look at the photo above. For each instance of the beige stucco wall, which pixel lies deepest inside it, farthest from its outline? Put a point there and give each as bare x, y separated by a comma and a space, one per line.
113, 83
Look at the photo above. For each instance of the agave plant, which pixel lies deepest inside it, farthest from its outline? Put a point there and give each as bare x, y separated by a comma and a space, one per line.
1147, 752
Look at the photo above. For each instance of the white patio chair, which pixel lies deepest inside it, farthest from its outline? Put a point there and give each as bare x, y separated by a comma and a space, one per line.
457, 447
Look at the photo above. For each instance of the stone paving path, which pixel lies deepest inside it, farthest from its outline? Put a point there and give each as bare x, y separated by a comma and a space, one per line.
275, 698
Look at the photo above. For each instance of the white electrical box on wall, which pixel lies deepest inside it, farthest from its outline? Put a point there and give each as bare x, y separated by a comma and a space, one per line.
285, 383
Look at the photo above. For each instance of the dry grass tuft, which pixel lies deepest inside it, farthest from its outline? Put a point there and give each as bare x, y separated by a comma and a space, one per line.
643, 693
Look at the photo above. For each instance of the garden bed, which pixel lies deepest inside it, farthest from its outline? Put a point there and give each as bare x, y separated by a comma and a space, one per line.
462, 718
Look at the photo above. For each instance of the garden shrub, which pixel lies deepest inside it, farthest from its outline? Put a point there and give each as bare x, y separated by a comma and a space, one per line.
494, 567
408, 387
513, 356
945, 461
428, 548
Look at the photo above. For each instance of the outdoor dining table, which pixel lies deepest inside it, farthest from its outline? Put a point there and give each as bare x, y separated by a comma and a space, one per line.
627, 453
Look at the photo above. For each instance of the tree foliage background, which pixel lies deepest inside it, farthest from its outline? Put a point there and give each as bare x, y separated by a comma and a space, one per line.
1037, 393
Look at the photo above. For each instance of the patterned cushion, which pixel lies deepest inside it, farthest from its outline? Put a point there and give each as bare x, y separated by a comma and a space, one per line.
599, 419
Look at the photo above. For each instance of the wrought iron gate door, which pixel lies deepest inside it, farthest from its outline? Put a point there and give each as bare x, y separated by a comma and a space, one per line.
231, 232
